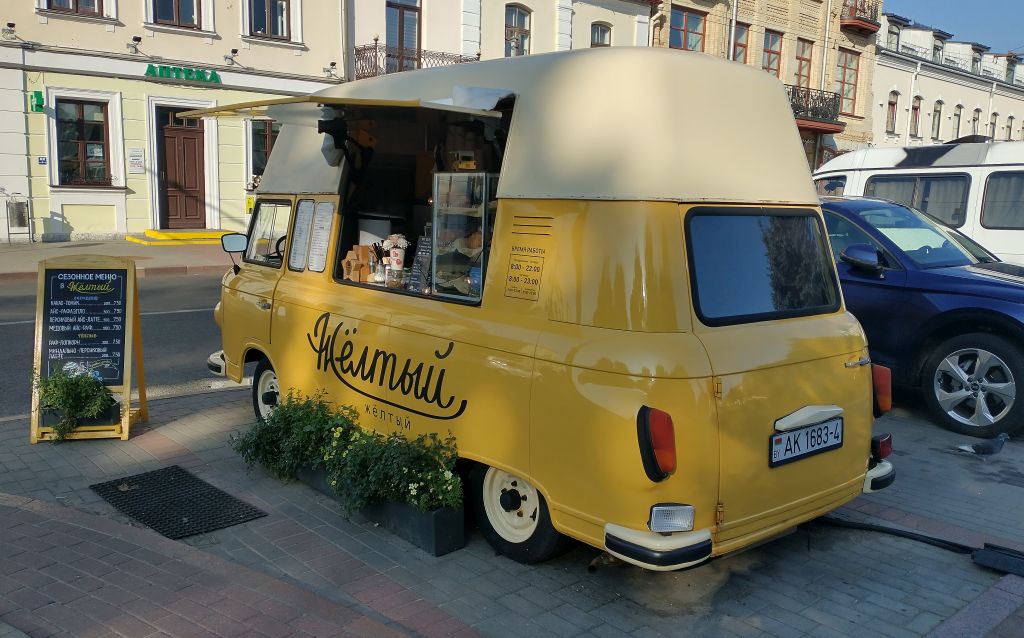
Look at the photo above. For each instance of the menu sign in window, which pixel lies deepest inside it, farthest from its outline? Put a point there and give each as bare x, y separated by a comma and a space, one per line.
83, 316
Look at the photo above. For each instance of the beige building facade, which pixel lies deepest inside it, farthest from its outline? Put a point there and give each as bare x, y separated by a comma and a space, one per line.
823, 51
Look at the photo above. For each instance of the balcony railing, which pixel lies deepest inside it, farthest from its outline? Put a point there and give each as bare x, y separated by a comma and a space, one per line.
376, 59
812, 104
860, 15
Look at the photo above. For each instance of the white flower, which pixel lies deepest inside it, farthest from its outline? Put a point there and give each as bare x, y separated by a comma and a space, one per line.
447, 475
412, 489
395, 241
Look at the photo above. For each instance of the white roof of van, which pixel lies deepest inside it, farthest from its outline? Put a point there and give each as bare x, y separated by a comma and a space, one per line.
618, 123
923, 157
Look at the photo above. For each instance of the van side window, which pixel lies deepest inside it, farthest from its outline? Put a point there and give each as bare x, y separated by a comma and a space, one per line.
751, 265
944, 197
833, 185
1001, 208
268, 233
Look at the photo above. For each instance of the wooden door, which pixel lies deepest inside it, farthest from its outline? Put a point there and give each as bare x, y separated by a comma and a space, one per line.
182, 172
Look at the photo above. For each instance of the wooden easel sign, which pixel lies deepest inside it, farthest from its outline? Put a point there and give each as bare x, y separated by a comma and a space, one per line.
87, 317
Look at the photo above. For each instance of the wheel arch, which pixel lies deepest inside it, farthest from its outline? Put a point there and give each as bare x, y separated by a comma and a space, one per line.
959, 322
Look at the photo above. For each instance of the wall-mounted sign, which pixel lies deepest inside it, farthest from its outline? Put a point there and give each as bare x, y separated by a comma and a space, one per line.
182, 73
41, 161
136, 160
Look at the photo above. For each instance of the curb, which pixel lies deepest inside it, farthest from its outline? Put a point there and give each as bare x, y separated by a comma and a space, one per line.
154, 271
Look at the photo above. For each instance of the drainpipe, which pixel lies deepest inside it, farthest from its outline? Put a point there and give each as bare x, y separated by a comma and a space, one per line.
732, 30
991, 102
910, 111
345, 56
824, 46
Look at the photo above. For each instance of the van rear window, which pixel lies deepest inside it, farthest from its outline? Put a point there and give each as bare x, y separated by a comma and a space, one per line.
749, 264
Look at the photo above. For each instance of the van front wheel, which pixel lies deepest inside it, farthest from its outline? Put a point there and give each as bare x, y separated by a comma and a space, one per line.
513, 516
266, 391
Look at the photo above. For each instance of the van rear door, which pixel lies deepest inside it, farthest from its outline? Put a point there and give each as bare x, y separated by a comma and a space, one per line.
789, 365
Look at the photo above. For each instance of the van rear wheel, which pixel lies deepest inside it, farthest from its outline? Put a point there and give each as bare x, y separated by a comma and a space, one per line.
513, 516
266, 391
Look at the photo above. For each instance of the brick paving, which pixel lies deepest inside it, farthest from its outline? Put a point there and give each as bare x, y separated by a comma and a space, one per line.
307, 570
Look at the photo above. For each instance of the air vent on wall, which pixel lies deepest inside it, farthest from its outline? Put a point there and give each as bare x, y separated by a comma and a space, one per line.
527, 225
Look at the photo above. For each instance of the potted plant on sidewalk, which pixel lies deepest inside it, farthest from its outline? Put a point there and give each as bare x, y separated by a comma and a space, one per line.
73, 396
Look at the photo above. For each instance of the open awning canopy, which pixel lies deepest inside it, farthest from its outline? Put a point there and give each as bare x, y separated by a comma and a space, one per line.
259, 108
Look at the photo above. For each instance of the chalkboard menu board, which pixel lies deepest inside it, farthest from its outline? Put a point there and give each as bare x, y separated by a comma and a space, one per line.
419, 278
84, 322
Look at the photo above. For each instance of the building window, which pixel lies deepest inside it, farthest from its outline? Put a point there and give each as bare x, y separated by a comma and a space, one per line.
686, 30
771, 57
1009, 129
402, 35
264, 134
517, 31
85, 7
993, 121
957, 112
179, 13
936, 119
975, 121
976, 63
269, 18
893, 40
739, 47
846, 77
915, 117
83, 153
600, 35
1011, 68
937, 51
804, 50
890, 115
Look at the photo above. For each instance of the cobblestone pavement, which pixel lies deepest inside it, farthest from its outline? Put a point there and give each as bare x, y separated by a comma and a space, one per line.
71, 565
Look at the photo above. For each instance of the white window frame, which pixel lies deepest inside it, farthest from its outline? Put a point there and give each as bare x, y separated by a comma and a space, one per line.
294, 25
109, 11
115, 129
206, 19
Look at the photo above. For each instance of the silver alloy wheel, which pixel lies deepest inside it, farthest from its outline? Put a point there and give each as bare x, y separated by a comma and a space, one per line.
267, 383
975, 387
512, 505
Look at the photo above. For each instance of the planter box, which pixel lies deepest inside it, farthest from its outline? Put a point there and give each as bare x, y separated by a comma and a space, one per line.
438, 532
112, 416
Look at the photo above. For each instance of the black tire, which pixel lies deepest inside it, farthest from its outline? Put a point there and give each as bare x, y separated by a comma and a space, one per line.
960, 408
540, 544
264, 380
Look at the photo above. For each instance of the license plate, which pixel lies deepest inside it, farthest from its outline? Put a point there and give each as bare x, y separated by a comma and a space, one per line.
793, 445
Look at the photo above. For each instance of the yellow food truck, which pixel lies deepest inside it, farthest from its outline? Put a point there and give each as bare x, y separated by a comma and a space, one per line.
607, 275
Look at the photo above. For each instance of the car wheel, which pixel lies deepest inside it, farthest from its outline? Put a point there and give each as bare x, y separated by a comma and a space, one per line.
513, 516
266, 392
969, 383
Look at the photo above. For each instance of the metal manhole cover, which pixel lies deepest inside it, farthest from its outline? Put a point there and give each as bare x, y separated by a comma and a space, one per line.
175, 503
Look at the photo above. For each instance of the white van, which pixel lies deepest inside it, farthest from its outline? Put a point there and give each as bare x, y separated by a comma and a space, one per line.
975, 187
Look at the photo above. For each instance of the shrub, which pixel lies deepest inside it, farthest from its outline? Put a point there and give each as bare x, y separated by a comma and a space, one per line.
295, 434
74, 396
366, 467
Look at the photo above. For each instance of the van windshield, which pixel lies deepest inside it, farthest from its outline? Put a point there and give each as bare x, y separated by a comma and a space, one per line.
757, 264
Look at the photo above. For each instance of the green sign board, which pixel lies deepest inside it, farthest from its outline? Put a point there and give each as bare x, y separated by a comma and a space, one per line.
201, 76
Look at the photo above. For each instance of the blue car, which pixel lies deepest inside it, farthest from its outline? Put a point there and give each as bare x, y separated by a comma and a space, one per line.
944, 314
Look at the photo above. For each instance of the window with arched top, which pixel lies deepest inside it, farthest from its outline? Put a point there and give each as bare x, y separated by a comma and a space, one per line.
600, 35
517, 30
937, 120
915, 117
890, 114
975, 121
957, 114
893, 38
993, 123
1009, 129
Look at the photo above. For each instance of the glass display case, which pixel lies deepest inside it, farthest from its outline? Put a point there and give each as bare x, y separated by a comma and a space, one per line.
463, 220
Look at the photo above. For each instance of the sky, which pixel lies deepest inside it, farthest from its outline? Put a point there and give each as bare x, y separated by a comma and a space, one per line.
995, 23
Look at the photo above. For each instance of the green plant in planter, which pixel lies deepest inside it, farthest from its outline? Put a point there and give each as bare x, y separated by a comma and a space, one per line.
295, 434
73, 397
365, 467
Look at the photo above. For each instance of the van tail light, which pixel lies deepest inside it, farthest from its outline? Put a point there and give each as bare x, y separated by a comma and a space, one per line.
881, 447
657, 439
881, 381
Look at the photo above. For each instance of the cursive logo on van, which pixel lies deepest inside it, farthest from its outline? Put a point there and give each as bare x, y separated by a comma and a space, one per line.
337, 352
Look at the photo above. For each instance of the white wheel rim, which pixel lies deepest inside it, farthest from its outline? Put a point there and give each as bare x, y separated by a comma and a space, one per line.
514, 518
975, 387
267, 383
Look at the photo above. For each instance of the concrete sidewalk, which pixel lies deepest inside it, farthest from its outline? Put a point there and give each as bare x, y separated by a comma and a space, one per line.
20, 261
70, 565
